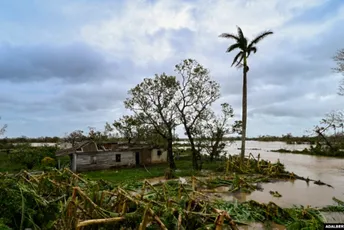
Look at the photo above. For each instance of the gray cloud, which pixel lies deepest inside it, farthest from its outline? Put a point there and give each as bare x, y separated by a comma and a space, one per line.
300, 107
73, 63
93, 97
288, 78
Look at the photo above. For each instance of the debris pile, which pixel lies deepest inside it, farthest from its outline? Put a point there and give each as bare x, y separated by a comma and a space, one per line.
64, 200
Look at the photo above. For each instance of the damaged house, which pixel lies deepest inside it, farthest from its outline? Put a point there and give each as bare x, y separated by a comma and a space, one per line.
88, 155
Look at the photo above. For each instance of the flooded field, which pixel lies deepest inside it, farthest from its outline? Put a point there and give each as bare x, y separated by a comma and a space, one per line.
327, 169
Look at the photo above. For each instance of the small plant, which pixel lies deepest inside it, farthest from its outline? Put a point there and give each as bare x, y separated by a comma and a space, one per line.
48, 162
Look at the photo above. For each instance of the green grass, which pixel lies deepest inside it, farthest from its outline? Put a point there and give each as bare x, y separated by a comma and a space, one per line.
184, 168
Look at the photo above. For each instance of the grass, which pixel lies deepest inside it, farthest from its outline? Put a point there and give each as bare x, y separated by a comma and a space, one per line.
125, 175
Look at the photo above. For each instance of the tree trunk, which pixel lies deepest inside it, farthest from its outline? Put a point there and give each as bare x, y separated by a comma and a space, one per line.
212, 156
214, 151
216, 146
194, 158
244, 110
326, 141
170, 158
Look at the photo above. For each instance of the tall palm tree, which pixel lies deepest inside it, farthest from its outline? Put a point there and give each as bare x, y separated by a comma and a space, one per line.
240, 60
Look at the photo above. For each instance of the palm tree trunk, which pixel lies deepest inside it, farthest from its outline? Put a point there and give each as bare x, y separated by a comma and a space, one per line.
244, 111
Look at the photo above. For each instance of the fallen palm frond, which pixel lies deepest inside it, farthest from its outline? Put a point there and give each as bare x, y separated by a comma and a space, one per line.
64, 200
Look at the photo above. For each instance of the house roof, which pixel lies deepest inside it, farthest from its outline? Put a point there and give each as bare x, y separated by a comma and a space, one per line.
119, 147
64, 152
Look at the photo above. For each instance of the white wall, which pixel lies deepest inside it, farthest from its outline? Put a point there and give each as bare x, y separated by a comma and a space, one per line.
159, 159
104, 160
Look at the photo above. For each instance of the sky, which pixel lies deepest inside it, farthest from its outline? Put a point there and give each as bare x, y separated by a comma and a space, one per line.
68, 65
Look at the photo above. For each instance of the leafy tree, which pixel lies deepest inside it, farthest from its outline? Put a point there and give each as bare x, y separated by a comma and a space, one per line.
240, 60
153, 102
237, 127
129, 128
196, 93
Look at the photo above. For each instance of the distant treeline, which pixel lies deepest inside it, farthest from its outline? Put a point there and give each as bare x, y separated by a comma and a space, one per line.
7, 140
43, 140
287, 139
284, 138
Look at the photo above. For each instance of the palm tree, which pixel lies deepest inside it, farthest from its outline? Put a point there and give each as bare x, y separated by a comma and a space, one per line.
240, 60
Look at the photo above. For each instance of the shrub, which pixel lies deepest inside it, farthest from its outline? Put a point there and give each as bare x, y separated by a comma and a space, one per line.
31, 157
48, 162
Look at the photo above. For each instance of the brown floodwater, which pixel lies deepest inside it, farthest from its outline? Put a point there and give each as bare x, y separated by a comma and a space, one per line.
327, 169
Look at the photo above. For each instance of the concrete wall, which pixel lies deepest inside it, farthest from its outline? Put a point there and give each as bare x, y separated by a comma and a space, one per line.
103, 160
156, 158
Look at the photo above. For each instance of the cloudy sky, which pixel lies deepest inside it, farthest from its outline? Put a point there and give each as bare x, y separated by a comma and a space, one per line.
67, 65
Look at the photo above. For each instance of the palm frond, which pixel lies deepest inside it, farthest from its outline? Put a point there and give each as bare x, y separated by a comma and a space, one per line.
251, 49
240, 33
233, 47
226, 35
244, 44
260, 37
239, 64
239, 55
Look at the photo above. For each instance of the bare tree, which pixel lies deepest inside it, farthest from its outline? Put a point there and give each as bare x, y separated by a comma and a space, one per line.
108, 130
3, 129
74, 137
212, 132
96, 136
339, 59
330, 130
218, 128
